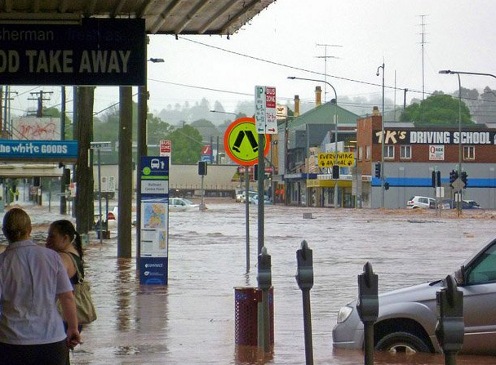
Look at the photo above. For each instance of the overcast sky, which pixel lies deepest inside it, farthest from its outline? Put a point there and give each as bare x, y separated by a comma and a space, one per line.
284, 41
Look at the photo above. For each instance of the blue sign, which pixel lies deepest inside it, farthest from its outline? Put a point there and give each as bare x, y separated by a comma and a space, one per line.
38, 150
154, 220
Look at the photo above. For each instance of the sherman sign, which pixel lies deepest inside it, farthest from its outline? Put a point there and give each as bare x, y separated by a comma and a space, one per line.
95, 52
435, 137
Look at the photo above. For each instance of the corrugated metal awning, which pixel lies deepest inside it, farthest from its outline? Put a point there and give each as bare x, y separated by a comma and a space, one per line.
223, 17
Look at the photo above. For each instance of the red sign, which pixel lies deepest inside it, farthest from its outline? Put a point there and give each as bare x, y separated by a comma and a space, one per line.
165, 147
270, 97
206, 150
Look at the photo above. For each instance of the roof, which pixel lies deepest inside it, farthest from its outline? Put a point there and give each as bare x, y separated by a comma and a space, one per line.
324, 114
224, 17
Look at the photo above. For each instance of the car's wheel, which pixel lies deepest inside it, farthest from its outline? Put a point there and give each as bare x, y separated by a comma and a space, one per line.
402, 342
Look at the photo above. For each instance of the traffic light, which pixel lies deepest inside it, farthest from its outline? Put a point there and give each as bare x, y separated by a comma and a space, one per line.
202, 168
453, 177
378, 170
438, 178
386, 186
335, 172
464, 178
433, 184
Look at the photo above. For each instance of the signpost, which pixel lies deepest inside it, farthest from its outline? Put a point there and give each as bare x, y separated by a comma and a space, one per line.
165, 148
266, 109
100, 146
153, 243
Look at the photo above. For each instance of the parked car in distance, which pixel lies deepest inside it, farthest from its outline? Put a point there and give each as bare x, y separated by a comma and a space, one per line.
239, 195
407, 317
251, 194
423, 202
181, 205
466, 204
254, 200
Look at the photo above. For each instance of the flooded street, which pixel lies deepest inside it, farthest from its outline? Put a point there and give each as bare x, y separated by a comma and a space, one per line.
191, 321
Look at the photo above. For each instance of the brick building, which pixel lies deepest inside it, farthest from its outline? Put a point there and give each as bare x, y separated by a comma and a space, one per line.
412, 154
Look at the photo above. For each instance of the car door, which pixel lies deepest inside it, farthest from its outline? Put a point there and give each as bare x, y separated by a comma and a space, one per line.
479, 303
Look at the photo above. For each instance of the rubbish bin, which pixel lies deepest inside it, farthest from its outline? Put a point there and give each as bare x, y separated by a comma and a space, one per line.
246, 315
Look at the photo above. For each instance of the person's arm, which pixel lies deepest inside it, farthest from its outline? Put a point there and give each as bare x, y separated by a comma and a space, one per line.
69, 310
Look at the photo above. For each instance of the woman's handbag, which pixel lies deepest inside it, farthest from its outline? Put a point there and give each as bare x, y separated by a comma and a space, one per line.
85, 309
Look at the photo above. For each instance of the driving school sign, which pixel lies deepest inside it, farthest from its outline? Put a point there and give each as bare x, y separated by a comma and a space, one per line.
95, 52
241, 141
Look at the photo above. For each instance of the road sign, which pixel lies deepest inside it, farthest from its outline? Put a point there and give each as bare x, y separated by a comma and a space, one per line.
102, 146
241, 141
165, 147
458, 184
345, 159
266, 109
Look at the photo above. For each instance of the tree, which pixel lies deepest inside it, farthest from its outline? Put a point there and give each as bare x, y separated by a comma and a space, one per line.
186, 145
437, 110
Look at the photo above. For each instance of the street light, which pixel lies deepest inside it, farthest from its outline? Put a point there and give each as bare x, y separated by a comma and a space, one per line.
142, 114
460, 150
142, 150
335, 132
382, 136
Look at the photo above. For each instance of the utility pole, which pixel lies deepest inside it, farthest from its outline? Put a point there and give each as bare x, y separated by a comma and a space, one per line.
40, 99
325, 57
7, 123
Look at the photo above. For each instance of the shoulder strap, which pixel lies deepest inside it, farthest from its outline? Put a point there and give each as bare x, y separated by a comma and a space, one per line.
80, 276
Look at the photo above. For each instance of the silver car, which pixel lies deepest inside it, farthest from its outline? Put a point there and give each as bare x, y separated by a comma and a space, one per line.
407, 317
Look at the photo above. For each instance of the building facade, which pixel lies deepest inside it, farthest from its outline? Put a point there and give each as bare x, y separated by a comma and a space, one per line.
411, 156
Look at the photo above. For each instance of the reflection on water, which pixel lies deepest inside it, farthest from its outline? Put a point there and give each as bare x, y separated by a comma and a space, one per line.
192, 320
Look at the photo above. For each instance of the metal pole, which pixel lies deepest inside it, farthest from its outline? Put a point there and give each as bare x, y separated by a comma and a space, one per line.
307, 326
261, 176
307, 189
100, 197
336, 187
247, 218
382, 140
460, 150
63, 188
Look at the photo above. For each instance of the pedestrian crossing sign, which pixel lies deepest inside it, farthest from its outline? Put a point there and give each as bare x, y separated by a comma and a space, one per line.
241, 141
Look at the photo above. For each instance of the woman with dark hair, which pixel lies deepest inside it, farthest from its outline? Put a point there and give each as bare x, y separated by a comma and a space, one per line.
63, 238
31, 279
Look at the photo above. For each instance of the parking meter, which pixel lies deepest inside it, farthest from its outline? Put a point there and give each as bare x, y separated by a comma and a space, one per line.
264, 279
368, 299
304, 278
264, 276
368, 308
304, 273
450, 327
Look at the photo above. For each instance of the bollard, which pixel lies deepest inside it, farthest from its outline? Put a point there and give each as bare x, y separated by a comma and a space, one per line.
264, 278
304, 278
450, 328
368, 308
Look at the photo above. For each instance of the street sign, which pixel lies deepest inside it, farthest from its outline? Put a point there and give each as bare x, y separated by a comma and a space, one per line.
165, 147
458, 184
154, 220
265, 110
102, 146
241, 141
345, 159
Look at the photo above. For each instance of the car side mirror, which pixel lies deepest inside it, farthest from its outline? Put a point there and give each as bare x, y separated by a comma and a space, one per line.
460, 276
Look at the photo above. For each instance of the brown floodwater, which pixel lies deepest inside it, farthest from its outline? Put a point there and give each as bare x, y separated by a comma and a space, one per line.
192, 321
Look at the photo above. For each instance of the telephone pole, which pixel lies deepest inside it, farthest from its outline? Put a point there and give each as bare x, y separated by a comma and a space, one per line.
40, 99
325, 57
